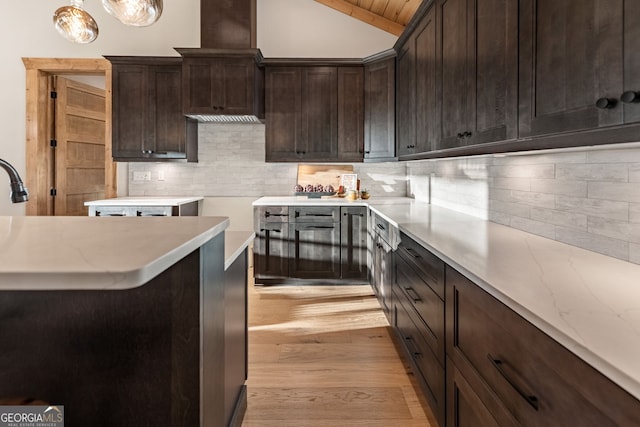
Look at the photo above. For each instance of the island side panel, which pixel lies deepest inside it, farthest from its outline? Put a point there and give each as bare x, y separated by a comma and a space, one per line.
126, 357
212, 312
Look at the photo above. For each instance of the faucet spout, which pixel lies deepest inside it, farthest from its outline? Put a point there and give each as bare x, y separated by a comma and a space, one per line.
19, 192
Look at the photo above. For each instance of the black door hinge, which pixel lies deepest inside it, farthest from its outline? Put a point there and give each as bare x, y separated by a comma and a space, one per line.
53, 192
54, 94
54, 143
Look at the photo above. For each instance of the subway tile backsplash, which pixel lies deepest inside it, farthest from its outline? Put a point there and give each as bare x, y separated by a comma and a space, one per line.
231, 163
587, 198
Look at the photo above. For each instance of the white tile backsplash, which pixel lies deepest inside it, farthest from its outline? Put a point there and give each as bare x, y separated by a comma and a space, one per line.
231, 163
588, 198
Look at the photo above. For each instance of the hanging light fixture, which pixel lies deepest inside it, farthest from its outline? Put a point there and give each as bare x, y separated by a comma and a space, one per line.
139, 13
75, 24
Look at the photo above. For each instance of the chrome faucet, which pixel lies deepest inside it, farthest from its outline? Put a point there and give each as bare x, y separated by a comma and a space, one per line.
19, 192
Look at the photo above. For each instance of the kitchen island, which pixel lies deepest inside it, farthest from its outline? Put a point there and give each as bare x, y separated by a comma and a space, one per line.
121, 320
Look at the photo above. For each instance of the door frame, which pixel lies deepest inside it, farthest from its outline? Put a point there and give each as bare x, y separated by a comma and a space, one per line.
38, 149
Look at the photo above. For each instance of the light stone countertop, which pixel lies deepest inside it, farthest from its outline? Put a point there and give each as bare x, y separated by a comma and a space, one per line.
588, 302
55, 253
144, 201
235, 242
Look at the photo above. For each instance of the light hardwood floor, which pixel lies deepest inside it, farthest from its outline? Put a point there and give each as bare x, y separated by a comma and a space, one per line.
323, 356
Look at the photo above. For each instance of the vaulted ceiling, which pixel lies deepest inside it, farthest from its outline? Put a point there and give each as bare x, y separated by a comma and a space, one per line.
388, 15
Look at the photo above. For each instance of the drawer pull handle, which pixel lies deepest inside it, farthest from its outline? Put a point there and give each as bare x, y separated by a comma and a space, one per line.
268, 214
530, 398
411, 347
380, 226
413, 294
320, 227
413, 253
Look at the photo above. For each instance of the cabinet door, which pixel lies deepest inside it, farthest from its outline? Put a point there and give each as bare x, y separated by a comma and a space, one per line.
426, 112
318, 125
283, 113
571, 56
492, 58
631, 44
350, 114
271, 251
479, 71
218, 85
353, 246
380, 110
147, 111
166, 125
386, 277
454, 79
315, 250
464, 407
130, 109
406, 99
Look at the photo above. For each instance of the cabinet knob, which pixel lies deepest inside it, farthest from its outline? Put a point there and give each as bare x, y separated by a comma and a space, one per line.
604, 103
630, 96
460, 135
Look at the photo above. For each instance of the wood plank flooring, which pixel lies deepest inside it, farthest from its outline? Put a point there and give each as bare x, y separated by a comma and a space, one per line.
324, 356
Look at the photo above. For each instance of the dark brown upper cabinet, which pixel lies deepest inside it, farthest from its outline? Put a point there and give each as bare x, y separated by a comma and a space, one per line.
148, 124
379, 107
579, 67
350, 114
417, 119
314, 113
406, 98
478, 54
222, 82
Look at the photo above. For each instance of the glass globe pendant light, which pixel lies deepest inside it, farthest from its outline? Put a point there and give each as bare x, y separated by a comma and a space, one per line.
139, 13
75, 24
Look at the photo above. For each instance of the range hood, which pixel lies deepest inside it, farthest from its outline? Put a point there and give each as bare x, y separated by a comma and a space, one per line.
223, 80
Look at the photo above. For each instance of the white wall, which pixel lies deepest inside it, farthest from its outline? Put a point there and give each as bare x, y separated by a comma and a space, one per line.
285, 28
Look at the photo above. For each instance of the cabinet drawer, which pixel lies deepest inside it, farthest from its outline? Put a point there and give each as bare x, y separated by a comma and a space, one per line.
429, 307
111, 211
431, 267
537, 380
381, 227
265, 214
314, 214
410, 333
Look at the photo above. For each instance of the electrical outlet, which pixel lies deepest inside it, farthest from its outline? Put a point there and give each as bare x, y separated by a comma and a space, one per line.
161, 175
142, 175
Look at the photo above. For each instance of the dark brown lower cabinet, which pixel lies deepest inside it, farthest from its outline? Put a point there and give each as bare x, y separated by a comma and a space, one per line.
419, 319
314, 250
520, 374
271, 245
310, 243
353, 242
464, 407
479, 363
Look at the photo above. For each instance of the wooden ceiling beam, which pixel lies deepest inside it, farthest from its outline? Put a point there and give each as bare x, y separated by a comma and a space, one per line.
364, 16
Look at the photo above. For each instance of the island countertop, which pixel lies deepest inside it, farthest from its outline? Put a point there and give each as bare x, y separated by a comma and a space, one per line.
58, 253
